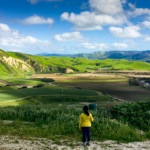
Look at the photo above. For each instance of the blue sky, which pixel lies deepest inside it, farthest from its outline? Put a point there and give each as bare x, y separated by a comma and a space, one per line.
74, 26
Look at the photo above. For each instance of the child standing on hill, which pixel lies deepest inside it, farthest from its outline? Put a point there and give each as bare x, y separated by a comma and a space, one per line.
85, 125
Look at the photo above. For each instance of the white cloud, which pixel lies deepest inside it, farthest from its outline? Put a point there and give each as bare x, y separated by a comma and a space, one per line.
123, 1
102, 46
127, 32
132, 6
147, 39
74, 36
11, 39
137, 11
4, 27
146, 24
92, 21
107, 7
84, 6
103, 13
120, 45
98, 46
36, 20
132, 43
36, 1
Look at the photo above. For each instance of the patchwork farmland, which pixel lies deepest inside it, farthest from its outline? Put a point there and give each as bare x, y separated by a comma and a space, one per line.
114, 85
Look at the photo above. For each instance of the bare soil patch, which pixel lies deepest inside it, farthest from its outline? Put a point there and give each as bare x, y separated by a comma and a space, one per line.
91, 76
72, 75
58, 77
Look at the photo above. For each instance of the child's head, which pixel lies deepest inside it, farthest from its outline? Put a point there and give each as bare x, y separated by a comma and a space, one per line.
85, 109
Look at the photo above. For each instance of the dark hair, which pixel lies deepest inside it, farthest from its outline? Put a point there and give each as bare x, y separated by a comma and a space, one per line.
85, 109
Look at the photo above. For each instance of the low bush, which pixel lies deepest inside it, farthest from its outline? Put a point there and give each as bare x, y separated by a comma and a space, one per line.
136, 114
134, 81
38, 86
78, 88
47, 80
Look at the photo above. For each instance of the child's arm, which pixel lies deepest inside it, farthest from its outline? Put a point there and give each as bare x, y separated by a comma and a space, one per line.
91, 118
80, 122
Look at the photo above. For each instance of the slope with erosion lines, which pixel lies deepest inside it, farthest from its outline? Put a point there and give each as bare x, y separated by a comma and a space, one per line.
10, 66
60, 64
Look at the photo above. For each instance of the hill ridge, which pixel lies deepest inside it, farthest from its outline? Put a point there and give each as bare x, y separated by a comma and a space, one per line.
23, 65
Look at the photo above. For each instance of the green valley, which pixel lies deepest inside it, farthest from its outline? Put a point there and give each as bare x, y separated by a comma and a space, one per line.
23, 65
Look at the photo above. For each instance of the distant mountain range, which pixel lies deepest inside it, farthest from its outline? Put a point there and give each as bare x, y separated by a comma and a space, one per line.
57, 55
127, 55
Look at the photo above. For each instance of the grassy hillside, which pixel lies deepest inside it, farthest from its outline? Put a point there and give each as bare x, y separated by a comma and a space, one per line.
60, 64
23, 65
14, 67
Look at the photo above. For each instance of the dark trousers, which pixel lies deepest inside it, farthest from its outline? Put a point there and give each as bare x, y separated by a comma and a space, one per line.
86, 133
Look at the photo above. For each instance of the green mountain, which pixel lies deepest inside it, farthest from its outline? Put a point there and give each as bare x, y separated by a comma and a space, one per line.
21, 65
127, 55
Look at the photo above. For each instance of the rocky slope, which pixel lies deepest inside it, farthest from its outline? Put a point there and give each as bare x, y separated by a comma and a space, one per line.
22, 65
13, 66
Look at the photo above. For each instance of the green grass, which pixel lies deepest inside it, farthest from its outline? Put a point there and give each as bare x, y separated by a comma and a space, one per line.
2, 83
25, 81
17, 103
57, 100
9, 88
7, 95
63, 121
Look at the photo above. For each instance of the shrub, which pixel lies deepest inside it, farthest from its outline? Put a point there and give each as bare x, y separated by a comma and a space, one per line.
134, 81
38, 86
137, 114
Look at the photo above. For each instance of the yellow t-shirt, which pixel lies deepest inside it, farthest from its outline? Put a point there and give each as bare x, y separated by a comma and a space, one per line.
85, 121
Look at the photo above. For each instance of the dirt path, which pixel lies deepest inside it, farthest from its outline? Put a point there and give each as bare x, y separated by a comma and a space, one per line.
15, 143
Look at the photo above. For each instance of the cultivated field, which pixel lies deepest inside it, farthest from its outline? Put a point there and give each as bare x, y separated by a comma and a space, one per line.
113, 85
121, 90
